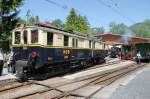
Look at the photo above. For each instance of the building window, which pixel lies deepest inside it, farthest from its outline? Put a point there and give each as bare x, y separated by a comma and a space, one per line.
17, 37
34, 36
49, 38
25, 37
66, 40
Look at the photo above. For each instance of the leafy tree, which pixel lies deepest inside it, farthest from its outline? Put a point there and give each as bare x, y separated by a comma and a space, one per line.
97, 30
82, 25
77, 23
8, 18
118, 28
33, 20
58, 23
21, 21
30, 21
71, 21
141, 29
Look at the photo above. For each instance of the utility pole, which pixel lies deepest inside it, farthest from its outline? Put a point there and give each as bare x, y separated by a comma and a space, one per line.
28, 16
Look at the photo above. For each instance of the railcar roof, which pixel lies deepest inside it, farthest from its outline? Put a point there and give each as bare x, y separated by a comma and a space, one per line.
55, 29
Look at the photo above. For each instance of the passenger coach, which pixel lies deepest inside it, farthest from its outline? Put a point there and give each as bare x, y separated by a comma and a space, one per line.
42, 45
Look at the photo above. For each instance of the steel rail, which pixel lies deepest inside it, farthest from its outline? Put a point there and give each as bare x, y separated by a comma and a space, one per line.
70, 92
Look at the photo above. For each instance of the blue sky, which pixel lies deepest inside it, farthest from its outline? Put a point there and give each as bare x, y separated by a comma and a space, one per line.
96, 12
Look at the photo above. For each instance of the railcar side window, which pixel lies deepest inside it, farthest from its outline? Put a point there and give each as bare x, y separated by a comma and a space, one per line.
90, 43
73, 42
49, 38
66, 39
94, 44
104, 46
25, 36
34, 36
17, 37
76, 42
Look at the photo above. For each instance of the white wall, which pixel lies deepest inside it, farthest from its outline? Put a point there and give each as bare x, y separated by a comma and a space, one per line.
86, 43
58, 39
42, 37
81, 43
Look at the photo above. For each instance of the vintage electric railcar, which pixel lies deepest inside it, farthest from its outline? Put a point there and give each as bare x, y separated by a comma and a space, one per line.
54, 48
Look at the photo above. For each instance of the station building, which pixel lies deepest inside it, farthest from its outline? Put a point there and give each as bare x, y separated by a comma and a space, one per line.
119, 40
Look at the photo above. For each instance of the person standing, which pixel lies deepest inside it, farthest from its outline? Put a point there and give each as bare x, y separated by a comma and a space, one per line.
10, 62
138, 55
14, 62
1, 62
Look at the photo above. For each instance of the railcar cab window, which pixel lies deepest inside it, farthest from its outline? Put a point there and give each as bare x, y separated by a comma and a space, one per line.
25, 36
17, 37
34, 36
49, 38
66, 40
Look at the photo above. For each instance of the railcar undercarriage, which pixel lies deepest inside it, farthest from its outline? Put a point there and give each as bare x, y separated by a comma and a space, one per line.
26, 71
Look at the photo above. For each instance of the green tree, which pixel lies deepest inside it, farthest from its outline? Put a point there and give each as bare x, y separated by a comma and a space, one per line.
58, 23
118, 28
8, 18
71, 21
30, 21
97, 30
82, 25
141, 29
77, 23
33, 20
21, 21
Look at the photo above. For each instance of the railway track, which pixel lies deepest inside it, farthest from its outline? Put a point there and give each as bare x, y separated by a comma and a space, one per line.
104, 80
35, 89
109, 62
3, 82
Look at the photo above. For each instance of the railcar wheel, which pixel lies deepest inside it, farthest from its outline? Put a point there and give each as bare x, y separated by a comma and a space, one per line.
102, 60
83, 63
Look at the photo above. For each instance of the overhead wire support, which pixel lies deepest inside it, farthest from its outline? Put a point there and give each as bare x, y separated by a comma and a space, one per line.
116, 11
114, 3
65, 7
57, 4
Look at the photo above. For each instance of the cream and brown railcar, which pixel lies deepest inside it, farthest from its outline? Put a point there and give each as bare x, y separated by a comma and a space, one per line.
54, 46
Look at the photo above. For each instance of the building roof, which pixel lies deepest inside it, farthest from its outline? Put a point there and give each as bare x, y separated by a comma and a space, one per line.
112, 39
